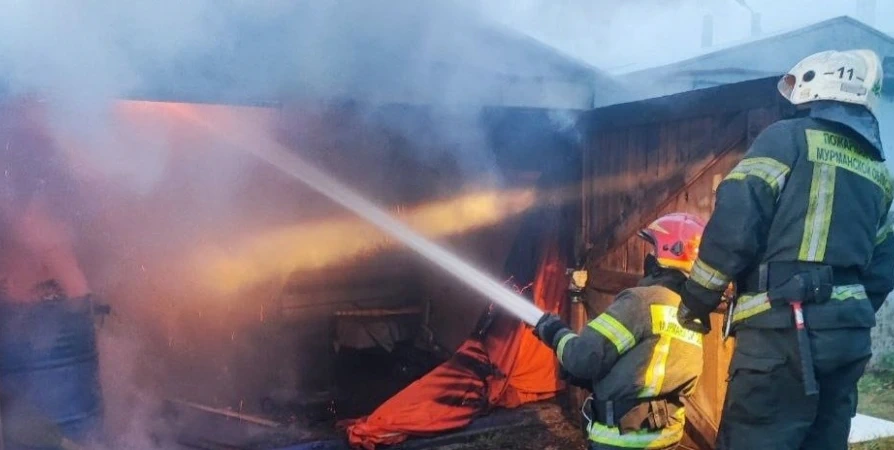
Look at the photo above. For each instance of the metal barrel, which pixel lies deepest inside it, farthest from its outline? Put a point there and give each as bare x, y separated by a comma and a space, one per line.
49, 369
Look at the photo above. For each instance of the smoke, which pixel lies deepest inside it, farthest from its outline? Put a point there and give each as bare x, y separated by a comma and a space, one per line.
138, 189
619, 36
81, 55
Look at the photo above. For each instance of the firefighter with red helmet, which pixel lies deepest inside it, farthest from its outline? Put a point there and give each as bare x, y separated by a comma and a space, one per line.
802, 225
637, 359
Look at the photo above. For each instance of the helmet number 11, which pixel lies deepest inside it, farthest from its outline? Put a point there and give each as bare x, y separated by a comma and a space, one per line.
850, 73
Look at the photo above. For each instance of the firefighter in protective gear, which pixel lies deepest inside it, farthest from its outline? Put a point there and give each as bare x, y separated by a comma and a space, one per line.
802, 226
635, 358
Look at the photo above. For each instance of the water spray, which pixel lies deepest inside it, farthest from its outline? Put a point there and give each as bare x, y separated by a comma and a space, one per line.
284, 159
314, 178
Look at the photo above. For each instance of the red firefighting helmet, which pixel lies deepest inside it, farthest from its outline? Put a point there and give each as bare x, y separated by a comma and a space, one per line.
675, 239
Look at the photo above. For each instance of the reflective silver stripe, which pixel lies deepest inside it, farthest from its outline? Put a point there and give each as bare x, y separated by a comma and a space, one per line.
769, 170
849, 292
560, 349
708, 277
614, 331
819, 214
751, 305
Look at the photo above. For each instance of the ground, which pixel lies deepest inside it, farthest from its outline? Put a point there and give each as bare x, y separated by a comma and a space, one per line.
553, 432
877, 395
877, 400
884, 444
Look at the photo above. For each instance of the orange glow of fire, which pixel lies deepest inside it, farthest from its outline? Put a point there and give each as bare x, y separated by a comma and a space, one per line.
277, 253
270, 254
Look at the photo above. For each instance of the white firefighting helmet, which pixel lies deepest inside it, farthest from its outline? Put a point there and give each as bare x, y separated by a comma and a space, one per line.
853, 76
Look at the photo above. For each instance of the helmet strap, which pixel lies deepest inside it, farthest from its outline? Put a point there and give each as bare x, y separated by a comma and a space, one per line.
651, 266
672, 279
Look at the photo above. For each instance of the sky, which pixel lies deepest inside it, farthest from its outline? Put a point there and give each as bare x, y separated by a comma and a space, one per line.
616, 35
621, 36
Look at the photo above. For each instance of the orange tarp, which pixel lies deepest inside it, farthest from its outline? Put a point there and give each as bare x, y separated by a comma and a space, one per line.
506, 367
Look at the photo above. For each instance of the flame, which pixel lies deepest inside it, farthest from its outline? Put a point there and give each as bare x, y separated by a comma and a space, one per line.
278, 252
281, 251
252, 258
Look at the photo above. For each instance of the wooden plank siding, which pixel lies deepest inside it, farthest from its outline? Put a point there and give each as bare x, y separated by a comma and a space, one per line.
660, 156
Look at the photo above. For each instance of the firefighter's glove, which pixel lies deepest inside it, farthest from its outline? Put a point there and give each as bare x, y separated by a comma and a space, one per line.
689, 319
696, 304
548, 327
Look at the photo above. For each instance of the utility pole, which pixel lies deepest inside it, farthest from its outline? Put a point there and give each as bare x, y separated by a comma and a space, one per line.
707, 31
755, 18
755, 24
708, 23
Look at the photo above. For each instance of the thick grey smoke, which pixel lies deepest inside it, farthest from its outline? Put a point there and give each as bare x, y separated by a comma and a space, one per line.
143, 188
80, 55
139, 188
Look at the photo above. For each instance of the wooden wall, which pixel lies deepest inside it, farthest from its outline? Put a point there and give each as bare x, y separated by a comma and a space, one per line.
651, 158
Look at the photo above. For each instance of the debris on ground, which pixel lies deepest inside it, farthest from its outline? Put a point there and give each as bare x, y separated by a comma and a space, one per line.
551, 430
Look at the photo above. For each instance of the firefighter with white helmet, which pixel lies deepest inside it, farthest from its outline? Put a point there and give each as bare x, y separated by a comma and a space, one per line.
638, 361
802, 226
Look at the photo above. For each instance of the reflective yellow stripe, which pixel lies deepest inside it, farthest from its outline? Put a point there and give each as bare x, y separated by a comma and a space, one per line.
664, 323
819, 214
752, 305
709, 277
645, 439
840, 151
769, 170
654, 378
614, 331
560, 349
849, 292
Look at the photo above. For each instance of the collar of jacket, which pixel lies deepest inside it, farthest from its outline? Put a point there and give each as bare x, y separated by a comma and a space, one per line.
669, 278
854, 117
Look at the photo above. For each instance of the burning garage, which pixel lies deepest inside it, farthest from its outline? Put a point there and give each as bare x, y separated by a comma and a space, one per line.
233, 236
189, 197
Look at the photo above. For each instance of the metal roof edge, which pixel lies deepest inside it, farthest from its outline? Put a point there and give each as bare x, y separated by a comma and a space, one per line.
764, 39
